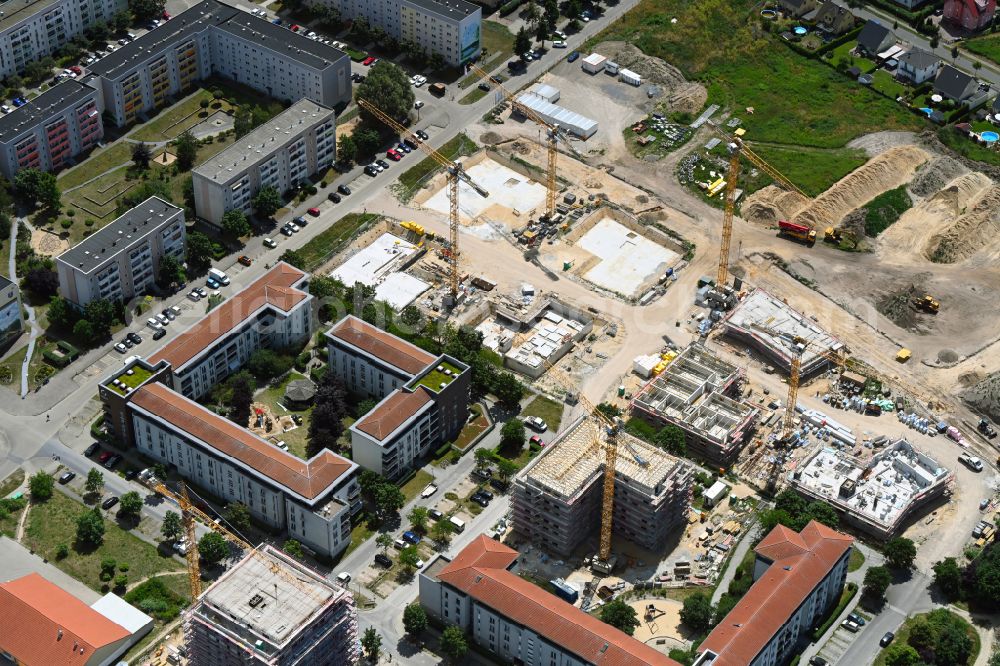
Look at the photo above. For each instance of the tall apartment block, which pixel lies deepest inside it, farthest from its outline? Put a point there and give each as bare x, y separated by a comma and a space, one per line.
281, 153
449, 28
11, 321
49, 130
33, 29
121, 260
424, 399
700, 394
212, 38
269, 610
556, 499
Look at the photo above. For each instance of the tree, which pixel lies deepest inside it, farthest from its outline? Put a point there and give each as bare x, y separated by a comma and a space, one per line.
621, 616
483, 458
186, 147
384, 541
90, 528
82, 330
347, 150
234, 223
388, 88
239, 405
453, 643
388, 500
977, 65
327, 422
670, 438
130, 504
512, 434
522, 42
418, 519
95, 481
414, 619
877, 581
953, 645
146, 10
900, 654
822, 512
366, 141
697, 612
101, 314
199, 249
213, 548
371, 643
441, 532
900, 553
409, 558
934, 42
954, 54
948, 578
37, 187
541, 32
238, 515
265, 365
61, 314
141, 155
172, 527
551, 13
242, 121
171, 271
293, 258
41, 484
508, 390
41, 280
506, 468
293, 548
982, 578
267, 201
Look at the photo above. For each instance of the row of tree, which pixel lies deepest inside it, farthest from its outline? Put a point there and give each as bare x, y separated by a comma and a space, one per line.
978, 582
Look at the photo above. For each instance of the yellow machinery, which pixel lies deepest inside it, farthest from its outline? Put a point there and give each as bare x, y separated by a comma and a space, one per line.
832, 235
552, 133
927, 304
455, 174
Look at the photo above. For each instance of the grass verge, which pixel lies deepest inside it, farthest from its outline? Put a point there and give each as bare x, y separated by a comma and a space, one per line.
856, 561
99, 161
987, 46
413, 487
414, 176
333, 239
547, 409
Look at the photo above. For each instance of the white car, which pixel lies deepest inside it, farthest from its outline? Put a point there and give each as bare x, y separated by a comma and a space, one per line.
181, 547
5, 108
293, 227
417, 84
194, 296
153, 324
377, 167
418, 104
428, 491
559, 44
162, 319
269, 242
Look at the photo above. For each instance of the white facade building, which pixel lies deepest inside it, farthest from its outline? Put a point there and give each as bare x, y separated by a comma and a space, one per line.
281, 153
121, 260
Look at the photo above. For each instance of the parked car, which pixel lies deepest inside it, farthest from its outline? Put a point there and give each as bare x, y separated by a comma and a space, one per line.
67, 477
112, 461
851, 626
854, 617
313, 211
371, 170
818, 661
286, 230
212, 283
393, 155
344, 189
343, 578
480, 499
418, 104
423, 135
382, 163
536, 423
110, 502
485, 493
886, 639
169, 314
972, 462
410, 143
159, 334
558, 44
181, 547
334, 197
369, 61
294, 227
435, 514
245, 260
162, 318
383, 560
92, 449
120, 348
201, 291
153, 324
412, 537
103, 458
137, 339
131, 474
573, 56
270, 242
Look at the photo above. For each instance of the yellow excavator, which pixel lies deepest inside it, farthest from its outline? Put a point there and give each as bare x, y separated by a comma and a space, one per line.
927, 304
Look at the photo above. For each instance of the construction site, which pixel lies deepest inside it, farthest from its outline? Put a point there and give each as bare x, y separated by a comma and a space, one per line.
382, 264
878, 495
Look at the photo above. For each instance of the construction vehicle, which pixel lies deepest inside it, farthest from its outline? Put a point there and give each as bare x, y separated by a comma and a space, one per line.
986, 428
456, 174
927, 304
554, 134
832, 235
798, 231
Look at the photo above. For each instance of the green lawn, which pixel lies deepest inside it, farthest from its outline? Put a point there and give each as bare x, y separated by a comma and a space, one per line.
333, 239
856, 561
415, 175
549, 410
966, 147
885, 209
473, 96
273, 396
413, 487
138, 376
884, 82
812, 170
435, 378
359, 535
53, 523
987, 46
13, 364
472, 429
174, 120
12, 482
498, 45
99, 161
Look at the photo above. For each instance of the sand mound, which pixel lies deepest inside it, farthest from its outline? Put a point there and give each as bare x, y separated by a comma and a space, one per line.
971, 232
769, 204
681, 94
935, 175
984, 396
890, 169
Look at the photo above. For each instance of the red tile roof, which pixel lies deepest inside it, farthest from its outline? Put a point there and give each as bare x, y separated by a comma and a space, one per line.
384, 346
480, 571
33, 612
308, 479
273, 288
802, 561
392, 412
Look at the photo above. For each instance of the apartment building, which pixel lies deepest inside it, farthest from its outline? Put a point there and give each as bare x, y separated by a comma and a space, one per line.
556, 501
270, 610
281, 153
449, 28
33, 29
424, 399
11, 321
122, 259
212, 38
519, 622
798, 577
51, 129
274, 312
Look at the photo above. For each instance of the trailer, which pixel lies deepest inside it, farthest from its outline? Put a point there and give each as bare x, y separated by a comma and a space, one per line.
629, 77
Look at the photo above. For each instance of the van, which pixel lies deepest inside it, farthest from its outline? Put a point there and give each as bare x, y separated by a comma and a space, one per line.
343, 578
457, 523
219, 276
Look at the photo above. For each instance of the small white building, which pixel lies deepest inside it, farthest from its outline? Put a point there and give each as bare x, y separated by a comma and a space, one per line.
572, 122
715, 493
545, 91
594, 63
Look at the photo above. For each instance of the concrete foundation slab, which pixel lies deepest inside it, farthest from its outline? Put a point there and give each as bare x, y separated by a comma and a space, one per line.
627, 259
507, 188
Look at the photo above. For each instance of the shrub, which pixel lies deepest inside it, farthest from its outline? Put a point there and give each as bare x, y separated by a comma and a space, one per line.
62, 551
156, 599
70, 213
66, 224
89, 222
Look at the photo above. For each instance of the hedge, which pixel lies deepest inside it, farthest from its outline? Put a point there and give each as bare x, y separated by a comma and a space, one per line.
851, 35
832, 617
510, 7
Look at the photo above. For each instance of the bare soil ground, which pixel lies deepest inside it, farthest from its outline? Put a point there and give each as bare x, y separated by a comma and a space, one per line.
45, 242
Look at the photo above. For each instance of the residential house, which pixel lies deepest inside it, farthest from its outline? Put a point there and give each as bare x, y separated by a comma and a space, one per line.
797, 8
834, 19
917, 66
874, 39
955, 85
970, 15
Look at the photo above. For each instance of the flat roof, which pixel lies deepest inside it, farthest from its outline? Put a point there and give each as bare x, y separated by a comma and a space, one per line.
308, 479
122, 613
276, 288
381, 345
16, 11
272, 595
52, 101
392, 412
263, 141
305, 51
453, 9
375, 261
95, 250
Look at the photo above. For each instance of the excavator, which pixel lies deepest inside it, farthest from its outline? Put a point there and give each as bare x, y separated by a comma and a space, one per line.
927, 303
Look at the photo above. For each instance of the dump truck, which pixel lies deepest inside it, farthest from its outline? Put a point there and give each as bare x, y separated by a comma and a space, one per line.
800, 232
927, 304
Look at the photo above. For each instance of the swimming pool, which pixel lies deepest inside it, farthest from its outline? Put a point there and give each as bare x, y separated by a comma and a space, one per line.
990, 137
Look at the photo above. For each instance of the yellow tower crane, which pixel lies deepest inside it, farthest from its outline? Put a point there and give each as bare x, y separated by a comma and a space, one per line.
553, 135
456, 174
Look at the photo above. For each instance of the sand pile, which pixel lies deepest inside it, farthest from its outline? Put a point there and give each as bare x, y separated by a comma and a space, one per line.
970, 233
984, 396
772, 203
935, 175
681, 94
890, 169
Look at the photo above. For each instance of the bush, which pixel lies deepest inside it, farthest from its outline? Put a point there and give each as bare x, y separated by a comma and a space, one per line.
156, 599
510, 7
66, 224
89, 222
62, 551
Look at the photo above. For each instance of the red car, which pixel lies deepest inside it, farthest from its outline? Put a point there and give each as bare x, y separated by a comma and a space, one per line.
535, 439
76, 70
103, 458
166, 16
295, 28
393, 155
368, 61
314, 212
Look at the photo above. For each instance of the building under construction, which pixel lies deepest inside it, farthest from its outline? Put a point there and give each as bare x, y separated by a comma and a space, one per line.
761, 309
877, 496
271, 610
557, 497
699, 393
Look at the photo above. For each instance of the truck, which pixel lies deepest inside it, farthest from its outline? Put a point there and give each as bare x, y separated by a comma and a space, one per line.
800, 232
972, 462
437, 89
986, 429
